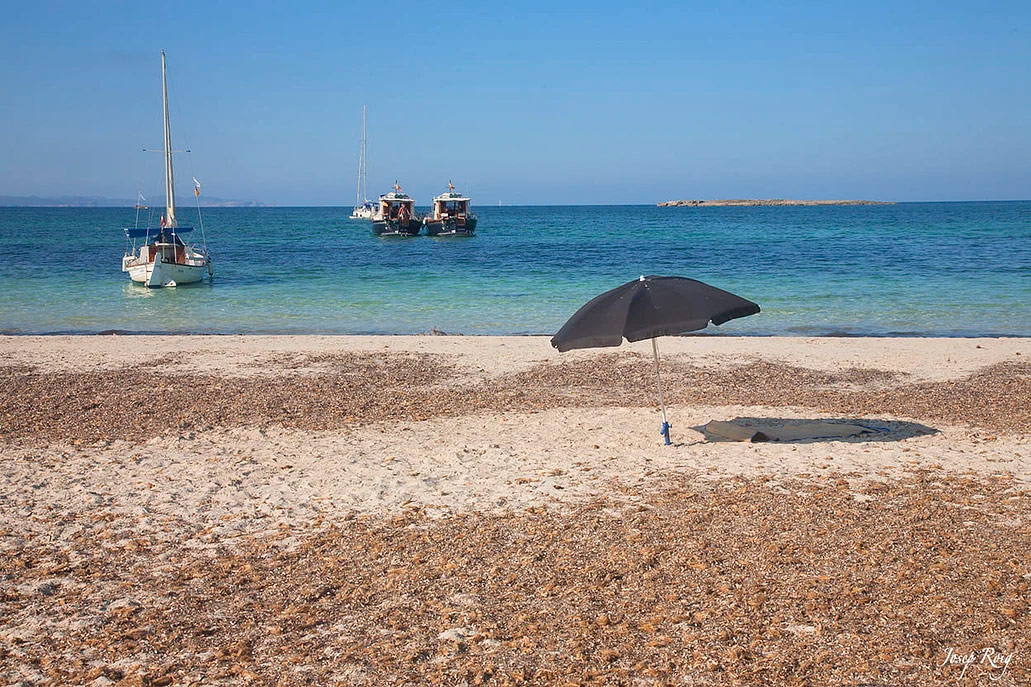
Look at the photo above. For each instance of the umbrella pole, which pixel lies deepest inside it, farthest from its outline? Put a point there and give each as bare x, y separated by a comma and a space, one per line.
662, 398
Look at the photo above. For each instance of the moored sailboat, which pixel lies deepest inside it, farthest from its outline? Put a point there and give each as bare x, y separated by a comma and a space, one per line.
164, 258
363, 207
450, 215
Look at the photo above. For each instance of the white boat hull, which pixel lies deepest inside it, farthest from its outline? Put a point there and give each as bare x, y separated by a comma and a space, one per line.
159, 274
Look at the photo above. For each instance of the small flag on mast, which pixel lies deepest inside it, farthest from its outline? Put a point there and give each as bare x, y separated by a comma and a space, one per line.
397, 187
450, 185
196, 187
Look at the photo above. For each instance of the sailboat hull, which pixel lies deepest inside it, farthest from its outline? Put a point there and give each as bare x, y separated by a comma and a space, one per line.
159, 274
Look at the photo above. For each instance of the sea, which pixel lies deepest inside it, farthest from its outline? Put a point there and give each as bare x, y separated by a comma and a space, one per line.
960, 269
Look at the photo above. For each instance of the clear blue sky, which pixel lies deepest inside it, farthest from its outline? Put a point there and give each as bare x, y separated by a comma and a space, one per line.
523, 102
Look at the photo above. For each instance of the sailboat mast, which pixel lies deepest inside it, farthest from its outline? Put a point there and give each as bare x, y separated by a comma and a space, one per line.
361, 159
365, 160
169, 179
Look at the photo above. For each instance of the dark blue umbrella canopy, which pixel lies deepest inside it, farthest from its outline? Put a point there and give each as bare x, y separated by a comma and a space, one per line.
649, 307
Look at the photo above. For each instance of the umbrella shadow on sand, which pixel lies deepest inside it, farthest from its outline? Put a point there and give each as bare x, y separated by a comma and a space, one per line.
809, 431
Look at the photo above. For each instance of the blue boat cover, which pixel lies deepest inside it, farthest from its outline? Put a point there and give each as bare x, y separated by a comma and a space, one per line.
138, 232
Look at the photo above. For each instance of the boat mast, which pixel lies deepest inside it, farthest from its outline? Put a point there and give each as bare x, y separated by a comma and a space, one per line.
361, 158
365, 160
361, 192
169, 180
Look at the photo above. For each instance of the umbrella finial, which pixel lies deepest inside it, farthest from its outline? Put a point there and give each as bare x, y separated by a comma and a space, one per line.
642, 278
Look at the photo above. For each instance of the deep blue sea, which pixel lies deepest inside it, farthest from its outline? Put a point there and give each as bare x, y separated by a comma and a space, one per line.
938, 269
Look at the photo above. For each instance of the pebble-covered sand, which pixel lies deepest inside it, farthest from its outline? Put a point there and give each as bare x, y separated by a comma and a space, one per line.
453, 510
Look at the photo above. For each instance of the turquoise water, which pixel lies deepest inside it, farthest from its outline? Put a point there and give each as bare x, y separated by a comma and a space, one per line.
940, 269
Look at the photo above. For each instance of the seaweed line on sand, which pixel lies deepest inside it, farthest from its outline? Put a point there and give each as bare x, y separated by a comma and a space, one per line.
138, 402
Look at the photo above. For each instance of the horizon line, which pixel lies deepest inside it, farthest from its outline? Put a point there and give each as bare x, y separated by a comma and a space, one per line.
256, 205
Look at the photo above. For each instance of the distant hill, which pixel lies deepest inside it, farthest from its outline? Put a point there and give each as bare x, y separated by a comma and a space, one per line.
101, 202
767, 202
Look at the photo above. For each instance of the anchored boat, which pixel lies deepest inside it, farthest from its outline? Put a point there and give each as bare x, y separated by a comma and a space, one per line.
450, 215
363, 207
395, 215
164, 258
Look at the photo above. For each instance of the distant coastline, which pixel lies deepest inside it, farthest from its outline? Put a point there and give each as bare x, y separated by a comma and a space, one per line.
765, 202
101, 202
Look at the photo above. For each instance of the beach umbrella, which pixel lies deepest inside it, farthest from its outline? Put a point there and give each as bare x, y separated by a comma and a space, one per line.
647, 308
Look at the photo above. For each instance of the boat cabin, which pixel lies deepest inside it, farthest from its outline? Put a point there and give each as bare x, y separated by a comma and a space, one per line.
158, 241
450, 206
396, 206
169, 252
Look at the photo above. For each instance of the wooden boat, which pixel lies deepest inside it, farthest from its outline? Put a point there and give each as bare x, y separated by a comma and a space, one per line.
450, 215
395, 215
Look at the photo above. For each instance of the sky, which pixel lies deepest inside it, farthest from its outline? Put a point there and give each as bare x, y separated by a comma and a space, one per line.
522, 103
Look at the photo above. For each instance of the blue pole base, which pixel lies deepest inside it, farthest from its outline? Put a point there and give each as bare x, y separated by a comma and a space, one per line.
665, 432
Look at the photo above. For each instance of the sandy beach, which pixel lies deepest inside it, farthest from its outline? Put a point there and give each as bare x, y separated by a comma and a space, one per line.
484, 510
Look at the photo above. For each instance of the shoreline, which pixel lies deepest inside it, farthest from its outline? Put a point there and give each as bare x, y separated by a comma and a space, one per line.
711, 333
930, 357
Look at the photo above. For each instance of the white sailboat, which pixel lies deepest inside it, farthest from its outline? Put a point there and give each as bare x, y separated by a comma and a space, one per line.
363, 207
165, 259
